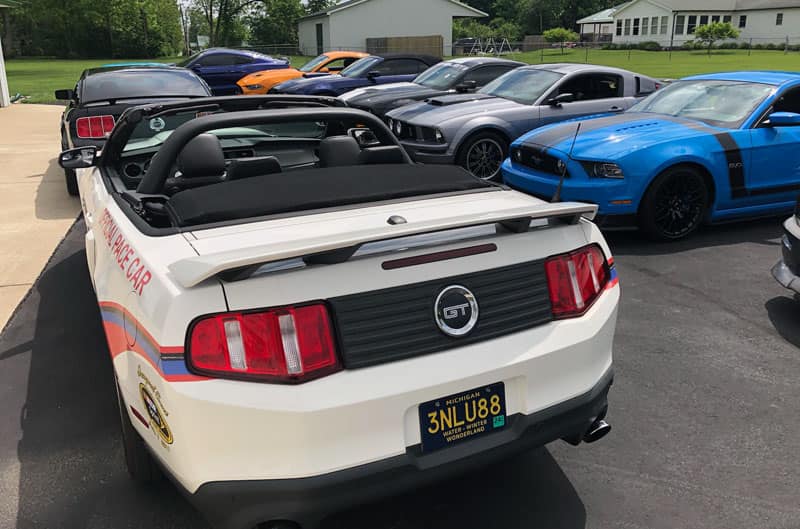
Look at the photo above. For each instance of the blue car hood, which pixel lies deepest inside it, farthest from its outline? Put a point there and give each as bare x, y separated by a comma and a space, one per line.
613, 137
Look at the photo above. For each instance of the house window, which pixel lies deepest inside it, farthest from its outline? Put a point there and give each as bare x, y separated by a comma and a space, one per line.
742, 21
645, 20
715, 18
779, 19
635, 26
691, 25
727, 18
664, 23
654, 25
627, 26
619, 27
680, 20
703, 20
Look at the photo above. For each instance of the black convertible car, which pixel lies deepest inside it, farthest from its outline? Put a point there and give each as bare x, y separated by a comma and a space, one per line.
102, 94
465, 74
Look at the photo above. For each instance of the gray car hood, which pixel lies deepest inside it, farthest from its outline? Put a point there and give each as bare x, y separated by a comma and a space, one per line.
437, 110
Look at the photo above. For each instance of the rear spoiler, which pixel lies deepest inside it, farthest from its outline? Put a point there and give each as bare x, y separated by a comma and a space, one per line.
328, 250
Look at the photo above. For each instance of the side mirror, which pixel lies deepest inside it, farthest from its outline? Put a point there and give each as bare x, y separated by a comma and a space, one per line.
365, 137
466, 86
65, 95
373, 74
78, 158
784, 119
560, 98
331, 69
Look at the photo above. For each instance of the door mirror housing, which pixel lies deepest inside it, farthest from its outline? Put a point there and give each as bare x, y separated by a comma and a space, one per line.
65, 95
560, 98
466, 86
373, 74
784, 119
365, 137
78, 158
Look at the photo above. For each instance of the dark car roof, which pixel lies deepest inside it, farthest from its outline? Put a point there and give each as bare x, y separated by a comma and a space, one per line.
117, 83
246, 53
108, 69
427, 59
480, 61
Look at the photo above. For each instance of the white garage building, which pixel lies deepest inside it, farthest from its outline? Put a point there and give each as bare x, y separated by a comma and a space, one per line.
349, 24
4, 100
666, 21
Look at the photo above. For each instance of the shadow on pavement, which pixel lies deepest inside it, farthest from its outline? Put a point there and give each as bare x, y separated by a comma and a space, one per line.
52, 200
784, 313
764, 231
72, 471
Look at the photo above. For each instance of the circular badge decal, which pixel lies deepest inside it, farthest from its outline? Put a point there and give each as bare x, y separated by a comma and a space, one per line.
157, 124
455, 310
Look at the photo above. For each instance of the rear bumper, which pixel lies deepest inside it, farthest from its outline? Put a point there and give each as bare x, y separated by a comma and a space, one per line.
243, 504
787, 269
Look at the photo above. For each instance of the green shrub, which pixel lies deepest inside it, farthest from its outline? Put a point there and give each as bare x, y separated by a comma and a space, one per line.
649, 45
744, 45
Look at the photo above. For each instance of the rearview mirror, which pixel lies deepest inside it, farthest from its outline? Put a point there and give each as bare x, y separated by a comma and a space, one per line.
784, 119
373, 74
78, 158
560, 98
466, 86
65, 95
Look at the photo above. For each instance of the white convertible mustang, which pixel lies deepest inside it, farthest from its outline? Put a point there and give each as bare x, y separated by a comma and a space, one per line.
300, 319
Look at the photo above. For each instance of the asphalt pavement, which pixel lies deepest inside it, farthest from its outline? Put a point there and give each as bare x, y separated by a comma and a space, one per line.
704, 411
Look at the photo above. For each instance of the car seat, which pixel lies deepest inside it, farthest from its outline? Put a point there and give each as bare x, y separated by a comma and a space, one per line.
335, 151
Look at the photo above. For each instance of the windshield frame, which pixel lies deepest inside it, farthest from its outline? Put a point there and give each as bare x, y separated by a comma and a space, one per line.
642, 106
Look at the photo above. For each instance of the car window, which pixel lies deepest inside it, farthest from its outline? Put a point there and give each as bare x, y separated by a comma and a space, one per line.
218, 59
789, 101
139, 83
400, 67
719, 103
441, 76
485, 74
592, 86
338, 65
313, 63
243, 59
524, 86
361, 67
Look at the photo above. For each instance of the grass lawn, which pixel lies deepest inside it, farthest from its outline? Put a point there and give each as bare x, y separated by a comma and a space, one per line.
38, 78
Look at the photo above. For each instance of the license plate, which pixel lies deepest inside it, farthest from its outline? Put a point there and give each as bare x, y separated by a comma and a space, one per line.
467, 415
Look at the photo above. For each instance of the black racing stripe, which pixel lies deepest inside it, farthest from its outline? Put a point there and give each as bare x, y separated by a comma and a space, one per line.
564, 132
733, 157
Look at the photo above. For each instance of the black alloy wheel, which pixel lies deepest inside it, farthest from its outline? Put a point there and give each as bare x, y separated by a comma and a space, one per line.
483, 154
675, 204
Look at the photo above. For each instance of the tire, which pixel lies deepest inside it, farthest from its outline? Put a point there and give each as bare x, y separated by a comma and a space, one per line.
482, 154
140, 463
675, 204
72, 182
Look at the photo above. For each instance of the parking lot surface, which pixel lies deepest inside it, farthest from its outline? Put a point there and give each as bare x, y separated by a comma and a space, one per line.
704, 411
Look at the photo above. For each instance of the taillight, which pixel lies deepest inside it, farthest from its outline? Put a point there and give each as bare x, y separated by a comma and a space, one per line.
94, 126
289, 345
576, 280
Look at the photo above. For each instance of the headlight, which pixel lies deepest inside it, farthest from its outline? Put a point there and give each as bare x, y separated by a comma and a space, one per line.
398, 127
605, 170
390, 123
438, 135
254, 87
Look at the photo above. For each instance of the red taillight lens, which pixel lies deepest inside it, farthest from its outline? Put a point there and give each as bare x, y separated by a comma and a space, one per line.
94, 126
291, 344
575, 280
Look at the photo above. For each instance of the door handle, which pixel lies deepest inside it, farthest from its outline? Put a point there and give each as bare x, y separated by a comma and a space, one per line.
616, 109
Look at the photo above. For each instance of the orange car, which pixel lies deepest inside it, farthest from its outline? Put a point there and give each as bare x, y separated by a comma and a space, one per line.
330, 62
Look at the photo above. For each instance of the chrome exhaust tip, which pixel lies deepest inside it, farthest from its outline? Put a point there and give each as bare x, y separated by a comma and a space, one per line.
596, 431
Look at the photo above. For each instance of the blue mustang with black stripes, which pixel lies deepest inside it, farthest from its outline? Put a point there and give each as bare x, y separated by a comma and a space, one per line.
706, 148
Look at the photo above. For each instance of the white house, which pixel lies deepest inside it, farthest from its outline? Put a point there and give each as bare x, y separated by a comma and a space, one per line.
4, 100
599, 26
674, 21
349, 24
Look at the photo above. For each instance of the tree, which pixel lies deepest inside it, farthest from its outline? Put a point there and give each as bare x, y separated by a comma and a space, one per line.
560, 35
275, 21
708, 34
313, 6
224, 18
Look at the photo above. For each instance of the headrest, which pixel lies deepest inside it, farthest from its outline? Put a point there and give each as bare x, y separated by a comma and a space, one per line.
382, 154
336, 151
247, 167
202, 156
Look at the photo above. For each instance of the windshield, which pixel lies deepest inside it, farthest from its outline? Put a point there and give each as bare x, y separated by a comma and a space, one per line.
361, 67
313, 63
133, 84
522, 86
153, 132
442, 75
720, 103
184, 63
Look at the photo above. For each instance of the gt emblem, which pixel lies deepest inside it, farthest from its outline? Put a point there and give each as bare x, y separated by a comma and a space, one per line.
455, 311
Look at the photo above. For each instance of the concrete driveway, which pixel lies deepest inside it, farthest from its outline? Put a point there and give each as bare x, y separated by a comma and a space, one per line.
35, 210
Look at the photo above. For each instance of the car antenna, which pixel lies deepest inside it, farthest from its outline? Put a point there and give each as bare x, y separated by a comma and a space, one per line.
557, 194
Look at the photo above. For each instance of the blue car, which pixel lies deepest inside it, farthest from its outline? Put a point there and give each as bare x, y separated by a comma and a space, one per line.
372, 70
710, 148
221, 67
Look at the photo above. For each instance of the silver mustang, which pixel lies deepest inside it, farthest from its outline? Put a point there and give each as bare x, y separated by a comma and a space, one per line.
475, 130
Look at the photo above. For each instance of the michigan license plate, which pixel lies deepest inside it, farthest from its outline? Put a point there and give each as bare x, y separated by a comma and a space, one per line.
456, 418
